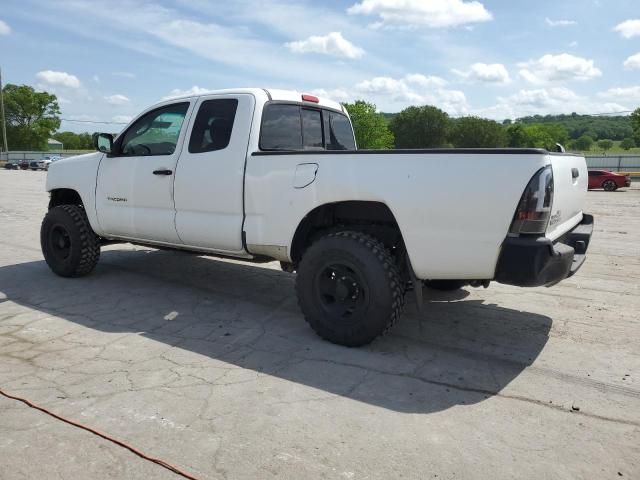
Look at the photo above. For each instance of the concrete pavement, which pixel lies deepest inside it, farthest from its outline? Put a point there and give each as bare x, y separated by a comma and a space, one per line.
209, 365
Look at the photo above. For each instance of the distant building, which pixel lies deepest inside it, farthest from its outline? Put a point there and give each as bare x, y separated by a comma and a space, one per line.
53, 144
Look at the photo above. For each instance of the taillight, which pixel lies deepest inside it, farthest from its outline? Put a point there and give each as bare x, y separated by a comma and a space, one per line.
534, 209
310, 98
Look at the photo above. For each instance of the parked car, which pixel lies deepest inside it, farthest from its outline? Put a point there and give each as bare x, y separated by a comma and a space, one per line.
262, 174
34, 165
24, 164
47, 160
11, 165
610, 181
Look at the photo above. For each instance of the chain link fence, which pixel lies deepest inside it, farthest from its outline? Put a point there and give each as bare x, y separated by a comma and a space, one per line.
615, 163
18, 156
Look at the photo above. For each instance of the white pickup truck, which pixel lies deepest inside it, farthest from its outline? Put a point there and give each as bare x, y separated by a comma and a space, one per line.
264, 174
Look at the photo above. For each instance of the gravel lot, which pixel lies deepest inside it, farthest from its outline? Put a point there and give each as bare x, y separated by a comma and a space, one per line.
209, 365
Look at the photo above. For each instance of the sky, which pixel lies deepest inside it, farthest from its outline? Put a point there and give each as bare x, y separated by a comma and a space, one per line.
108, 60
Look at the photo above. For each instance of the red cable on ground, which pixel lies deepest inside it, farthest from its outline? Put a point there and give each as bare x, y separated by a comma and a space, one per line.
157, 461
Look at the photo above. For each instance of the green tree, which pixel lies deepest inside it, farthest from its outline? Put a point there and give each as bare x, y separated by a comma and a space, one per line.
546, 135
74, 141
517, 136
371, 128
635, 124
583, 144
420, 127
635, 120
628, 143
605, 144
31, 116
476, 132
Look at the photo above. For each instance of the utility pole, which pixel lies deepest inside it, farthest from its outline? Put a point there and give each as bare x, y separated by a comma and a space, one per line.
4, 120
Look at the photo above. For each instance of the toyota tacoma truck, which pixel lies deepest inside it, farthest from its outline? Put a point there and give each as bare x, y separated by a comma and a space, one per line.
265, 175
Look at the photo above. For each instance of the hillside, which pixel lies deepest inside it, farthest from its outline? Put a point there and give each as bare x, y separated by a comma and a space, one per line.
597, 127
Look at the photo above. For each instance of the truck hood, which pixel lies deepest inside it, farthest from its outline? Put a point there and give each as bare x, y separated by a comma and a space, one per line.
79, 158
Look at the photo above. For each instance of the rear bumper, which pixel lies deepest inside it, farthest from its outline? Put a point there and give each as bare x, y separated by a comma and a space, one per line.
533, 262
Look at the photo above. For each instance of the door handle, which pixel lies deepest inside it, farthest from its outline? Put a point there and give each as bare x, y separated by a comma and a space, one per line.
162, 172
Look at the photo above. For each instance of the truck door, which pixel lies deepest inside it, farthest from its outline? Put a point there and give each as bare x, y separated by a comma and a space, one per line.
210, 174
134, 192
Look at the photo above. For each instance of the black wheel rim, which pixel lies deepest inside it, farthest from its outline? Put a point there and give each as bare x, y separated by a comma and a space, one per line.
60, 242
609, 185
341, 290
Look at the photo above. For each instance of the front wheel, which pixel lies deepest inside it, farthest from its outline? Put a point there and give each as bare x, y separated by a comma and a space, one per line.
349, 288
69, 245
609, 186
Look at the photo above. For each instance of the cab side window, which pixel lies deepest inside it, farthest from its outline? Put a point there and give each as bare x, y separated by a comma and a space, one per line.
213, 125
155, 133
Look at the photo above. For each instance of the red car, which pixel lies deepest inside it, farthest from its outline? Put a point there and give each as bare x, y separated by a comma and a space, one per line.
610, 181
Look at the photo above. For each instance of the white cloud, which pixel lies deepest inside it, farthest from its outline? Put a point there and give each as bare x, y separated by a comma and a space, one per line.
552, 68
414, 89
195, 90
628, 94
4, 28
121, 118
117, 99
545, 101
573, 44
61, 79
633, 62
422, 13
96, 78
559, 23
486, 73
337, 94
168, 33
331, 44
628, 28
425, 81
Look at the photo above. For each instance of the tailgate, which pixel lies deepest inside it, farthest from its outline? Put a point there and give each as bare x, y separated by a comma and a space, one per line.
570, 178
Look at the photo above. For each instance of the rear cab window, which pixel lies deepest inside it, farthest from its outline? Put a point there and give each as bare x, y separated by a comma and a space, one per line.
281, 128
296, 127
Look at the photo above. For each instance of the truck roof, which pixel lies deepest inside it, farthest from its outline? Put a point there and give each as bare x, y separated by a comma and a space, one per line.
273, 94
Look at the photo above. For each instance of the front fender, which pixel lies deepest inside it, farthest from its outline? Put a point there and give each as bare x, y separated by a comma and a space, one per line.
78, 173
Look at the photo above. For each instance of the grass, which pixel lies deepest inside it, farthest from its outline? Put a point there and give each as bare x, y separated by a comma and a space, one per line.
615, 150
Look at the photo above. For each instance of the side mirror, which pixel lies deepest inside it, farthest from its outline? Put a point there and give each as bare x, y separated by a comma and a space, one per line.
103, 142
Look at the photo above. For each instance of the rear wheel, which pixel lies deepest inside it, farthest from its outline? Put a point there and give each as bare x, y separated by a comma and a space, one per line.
69, 245
349, 288
609, 185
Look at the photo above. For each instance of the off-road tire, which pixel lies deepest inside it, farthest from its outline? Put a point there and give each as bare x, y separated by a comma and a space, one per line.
382, 288
83, 249
445, 285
